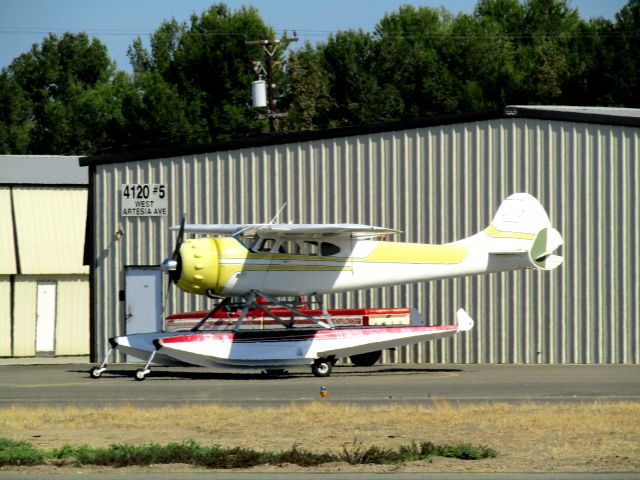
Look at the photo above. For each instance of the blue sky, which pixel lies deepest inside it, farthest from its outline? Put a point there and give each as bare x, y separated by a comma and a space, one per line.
118, 22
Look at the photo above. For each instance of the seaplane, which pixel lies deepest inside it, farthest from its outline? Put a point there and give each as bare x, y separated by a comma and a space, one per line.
273, 267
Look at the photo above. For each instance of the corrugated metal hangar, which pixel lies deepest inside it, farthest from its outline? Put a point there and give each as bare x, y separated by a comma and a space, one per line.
44, 285
437, 180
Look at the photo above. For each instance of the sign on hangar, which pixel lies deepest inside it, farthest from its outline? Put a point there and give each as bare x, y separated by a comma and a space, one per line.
144, 200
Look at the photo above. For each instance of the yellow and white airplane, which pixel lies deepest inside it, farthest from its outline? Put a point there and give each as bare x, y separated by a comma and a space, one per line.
266, 264
311, 259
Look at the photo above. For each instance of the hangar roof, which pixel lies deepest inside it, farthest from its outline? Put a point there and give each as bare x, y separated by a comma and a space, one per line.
603, 115
600, 115
42, 170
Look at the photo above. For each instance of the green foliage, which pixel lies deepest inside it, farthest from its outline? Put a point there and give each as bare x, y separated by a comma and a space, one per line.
356, 454
307, 90
189, 452
464, 451
195, 81
49, 95
19, 453
192, 85
626, 64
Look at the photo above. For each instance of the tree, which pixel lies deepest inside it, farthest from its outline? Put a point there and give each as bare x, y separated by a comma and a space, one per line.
203, 69
591, 70
15, 116
47, 91
192, 85
544, 51
307, 90
495, 45
411, 66
349, 62
626, 63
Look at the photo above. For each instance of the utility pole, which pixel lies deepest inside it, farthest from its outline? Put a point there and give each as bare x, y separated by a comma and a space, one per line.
270, 47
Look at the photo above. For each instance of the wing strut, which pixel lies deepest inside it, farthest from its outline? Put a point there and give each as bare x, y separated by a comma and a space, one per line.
324, 321
225, 301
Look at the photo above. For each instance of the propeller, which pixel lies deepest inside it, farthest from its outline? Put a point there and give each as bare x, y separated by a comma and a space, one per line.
172, 265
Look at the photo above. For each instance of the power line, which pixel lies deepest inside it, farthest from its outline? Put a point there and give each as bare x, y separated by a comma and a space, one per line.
317, 33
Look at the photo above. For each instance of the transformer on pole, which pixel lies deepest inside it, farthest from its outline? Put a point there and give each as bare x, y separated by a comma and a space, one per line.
259, 93
257, 87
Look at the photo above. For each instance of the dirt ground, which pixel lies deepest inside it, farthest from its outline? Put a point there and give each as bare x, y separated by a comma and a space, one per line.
594, 437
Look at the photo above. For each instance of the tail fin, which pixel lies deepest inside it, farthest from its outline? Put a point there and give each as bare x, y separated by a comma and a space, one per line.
541, 252
521, 226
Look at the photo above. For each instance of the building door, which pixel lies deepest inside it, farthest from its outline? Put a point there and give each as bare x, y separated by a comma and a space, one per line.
143, 299
46, 318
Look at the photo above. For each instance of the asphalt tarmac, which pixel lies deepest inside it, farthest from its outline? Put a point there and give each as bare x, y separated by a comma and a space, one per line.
72, 385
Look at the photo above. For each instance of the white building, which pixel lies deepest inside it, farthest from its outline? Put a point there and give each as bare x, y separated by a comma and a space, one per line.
44, 284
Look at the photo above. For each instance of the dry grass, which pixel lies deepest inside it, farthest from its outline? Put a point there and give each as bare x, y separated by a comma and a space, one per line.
529, 437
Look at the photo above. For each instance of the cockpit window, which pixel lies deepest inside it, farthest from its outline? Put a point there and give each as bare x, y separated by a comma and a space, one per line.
328, 249
324, 249
266, 245
289, 246
296, 247
247, 242
312, 248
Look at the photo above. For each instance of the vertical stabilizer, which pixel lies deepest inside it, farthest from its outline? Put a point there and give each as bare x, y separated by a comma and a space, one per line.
520, 226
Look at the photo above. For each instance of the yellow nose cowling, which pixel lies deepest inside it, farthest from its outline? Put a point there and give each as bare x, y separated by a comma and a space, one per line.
199, 266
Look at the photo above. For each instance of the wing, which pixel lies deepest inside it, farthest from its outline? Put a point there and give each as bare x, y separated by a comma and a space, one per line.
289, 229
324, 229
211, 229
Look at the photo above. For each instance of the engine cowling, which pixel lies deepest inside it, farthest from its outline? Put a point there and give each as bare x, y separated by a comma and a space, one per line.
198, 266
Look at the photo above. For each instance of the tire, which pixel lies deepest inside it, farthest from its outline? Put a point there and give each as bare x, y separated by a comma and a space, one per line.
140, 375
96, 372
366, 359
322, 367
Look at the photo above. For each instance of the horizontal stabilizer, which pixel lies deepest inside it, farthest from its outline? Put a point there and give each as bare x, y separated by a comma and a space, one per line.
508, 251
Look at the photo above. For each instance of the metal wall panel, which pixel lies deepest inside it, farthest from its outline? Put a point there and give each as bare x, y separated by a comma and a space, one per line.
437, 184
8, 257
5, 316
72, 316
24, 316
50, 224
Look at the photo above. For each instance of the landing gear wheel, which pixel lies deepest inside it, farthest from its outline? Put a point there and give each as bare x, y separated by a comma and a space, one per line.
96, 372
141, 374
322, 367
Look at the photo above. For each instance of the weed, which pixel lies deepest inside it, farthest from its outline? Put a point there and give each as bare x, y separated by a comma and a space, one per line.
356, 454
189, 452
303, 458
463, 451
19, 453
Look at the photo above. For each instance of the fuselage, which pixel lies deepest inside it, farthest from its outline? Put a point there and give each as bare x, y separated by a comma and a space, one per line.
279, 266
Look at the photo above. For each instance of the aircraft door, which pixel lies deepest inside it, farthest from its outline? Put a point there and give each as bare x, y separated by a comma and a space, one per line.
143, 301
